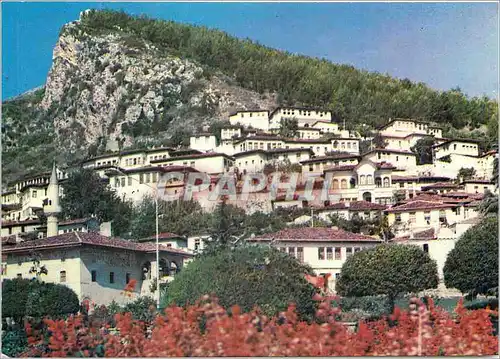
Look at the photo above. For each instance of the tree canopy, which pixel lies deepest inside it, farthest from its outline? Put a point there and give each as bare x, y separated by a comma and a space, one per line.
248, 276
354, 95
387, 269
86, 195
472, 266
423, 150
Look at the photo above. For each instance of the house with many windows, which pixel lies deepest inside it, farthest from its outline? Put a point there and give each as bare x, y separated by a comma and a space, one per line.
324, 249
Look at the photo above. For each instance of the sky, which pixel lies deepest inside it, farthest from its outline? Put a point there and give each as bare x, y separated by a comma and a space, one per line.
444, 45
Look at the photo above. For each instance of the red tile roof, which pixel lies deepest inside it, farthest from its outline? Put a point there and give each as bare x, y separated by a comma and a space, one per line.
420, 205
93, 239
311, 234
20, 223
440, 185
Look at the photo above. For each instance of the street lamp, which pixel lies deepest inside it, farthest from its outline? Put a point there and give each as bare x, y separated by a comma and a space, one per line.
118, 171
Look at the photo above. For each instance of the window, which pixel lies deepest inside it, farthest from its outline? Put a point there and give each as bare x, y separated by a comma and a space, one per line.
62, 276
329, 253
148, 177
426, 248
427, 217
141, 178
122, 182
300, 254
130, 181
19, 275
398, 217
369, 179
111, 277
337, 254
337, 276
386, 182
412, 217
348, 252
321, 253
127, 278
362, 180
291, 251
343, 184
94, 276
34, 194
357, 249
401, 184
335, 184
117, 182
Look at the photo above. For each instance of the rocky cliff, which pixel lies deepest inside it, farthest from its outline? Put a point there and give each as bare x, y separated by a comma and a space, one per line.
111, 91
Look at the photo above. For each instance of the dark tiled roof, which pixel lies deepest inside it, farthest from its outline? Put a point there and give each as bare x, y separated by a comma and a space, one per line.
340, 168
416, 205
478, 181
427, 234
81, 238
289, 150
75, 221
164, 235
311, 234
440, 185
408, 153
355, 206
192, 156
20, 223
338, 156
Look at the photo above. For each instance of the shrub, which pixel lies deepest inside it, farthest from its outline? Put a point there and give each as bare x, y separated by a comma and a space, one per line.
371, 305
143, 308
49, 299
14, 297
387, 269
419, 331
247, 276
472, 266
14, 342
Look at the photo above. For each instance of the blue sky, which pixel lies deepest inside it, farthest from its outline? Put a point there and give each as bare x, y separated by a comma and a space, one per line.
443, 45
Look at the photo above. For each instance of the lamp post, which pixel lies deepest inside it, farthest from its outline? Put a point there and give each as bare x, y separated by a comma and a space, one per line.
118, 171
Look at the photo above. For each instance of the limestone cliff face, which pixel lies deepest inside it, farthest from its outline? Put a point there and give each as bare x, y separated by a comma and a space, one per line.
118, 88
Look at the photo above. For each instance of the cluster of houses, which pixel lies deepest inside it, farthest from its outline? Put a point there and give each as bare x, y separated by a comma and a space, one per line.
426, 205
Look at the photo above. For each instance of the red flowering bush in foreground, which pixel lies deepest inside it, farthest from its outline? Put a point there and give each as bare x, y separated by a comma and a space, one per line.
207, 329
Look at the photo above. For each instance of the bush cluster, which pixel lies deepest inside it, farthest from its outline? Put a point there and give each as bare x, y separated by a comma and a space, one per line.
207, 329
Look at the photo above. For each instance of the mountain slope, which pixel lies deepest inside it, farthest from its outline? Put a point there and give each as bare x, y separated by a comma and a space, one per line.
119, 81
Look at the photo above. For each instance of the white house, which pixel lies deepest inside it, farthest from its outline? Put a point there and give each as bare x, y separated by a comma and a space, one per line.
94, 266
304, 116
210, 162
402, 160
324, 249
204, 142
458, 147
251, 118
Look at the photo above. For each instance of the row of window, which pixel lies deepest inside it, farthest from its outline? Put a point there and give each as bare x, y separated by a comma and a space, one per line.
427, 216
258, 114
344, 145
110, 162
335, 253
143, 178
93, 275
297, 252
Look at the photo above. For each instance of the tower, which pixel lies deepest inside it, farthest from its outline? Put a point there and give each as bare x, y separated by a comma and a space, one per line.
51, 206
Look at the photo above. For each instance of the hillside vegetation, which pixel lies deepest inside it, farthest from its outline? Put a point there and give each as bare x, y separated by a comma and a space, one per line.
354, 95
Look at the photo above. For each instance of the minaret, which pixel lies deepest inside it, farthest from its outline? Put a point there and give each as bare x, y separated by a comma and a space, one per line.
52, 208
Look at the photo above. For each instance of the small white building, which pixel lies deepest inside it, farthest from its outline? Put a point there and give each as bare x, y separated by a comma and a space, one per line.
210, 162
205, 142
324, 249
228, 132
458, 147
251, 118
304, 116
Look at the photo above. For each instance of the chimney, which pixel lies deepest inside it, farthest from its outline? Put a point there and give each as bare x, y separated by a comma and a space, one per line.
105, 229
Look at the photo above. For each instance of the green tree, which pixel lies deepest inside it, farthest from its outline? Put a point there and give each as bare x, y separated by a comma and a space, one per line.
387, 269
179, 217
86, 195
465, 174
248, 276
289, 127
53, 300
14, 297
472, 266
423, 150
226, 228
